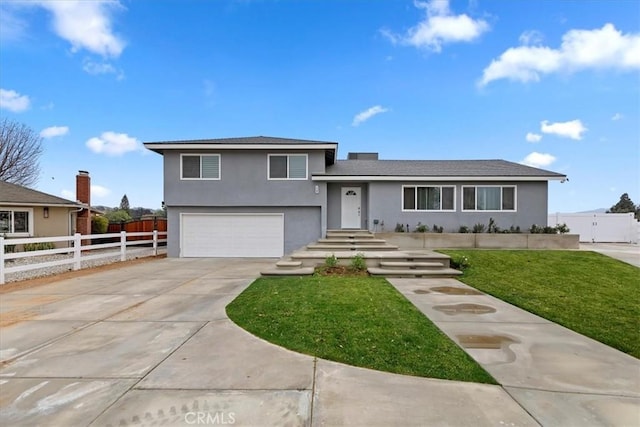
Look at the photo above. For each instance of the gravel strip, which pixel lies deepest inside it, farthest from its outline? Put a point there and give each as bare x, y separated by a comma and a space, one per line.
49, 271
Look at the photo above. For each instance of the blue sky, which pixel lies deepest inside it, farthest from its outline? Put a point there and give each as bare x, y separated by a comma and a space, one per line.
554, 84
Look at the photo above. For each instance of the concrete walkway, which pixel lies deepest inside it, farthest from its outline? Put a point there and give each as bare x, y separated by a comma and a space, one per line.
560, 377
627, 252
150, 344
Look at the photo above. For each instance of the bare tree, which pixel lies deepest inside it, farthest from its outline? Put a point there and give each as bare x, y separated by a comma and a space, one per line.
20, 150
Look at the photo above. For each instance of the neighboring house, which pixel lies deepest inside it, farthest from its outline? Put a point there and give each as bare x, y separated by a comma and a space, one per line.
25, 212
264, 196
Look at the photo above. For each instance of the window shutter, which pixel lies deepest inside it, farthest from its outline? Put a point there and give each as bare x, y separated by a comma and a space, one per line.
211, 167
297, 167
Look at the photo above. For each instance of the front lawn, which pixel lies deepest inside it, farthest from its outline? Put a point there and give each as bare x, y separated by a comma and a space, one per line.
587, 292
361, 321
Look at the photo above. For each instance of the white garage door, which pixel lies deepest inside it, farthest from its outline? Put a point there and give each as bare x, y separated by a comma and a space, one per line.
232, 235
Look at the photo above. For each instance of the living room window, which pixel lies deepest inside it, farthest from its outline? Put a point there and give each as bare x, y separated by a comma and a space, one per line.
489, 198
16, 222
428, 198
287, 166
200, 166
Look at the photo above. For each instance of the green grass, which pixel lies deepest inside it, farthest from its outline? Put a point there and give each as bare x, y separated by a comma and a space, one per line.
361, 321
587, 292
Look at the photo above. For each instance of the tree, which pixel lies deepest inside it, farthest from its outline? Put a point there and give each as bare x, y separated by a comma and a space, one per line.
625, 205
20, 151
124, 204
118, 216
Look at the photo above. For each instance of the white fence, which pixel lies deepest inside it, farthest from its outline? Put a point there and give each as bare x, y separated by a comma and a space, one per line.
77, 252
600, 227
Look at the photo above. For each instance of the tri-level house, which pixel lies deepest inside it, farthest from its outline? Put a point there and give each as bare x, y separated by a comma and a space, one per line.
264, 197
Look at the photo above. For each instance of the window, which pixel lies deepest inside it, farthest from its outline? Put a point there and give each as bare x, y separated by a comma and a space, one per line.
16, 222
287, 166
200, 166
490, 198
416, 198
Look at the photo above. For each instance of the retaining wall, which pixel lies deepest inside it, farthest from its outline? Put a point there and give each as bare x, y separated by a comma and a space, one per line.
481, 240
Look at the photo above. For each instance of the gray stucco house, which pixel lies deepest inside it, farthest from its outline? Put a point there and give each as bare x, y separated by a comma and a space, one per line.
264, 197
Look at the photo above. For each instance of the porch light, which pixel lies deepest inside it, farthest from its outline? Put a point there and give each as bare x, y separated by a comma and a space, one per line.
45, 212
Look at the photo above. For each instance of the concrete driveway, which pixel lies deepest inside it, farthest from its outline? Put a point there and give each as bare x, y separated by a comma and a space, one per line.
150, 344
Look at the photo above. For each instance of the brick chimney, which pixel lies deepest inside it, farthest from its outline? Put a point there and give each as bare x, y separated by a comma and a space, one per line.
83, 195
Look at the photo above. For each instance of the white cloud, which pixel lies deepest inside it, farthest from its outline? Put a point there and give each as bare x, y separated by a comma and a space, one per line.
533, 137
68, 194
86, 25
439, 27
13, 101
617, 116
572, 129
538, 160
99, 191
11, 26
113, 144
367, 114
600, 48
94, 68
54, 131
531, 37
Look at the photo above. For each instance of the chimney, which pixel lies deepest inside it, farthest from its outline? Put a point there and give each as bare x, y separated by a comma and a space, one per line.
83, 195
83, 187
362, 156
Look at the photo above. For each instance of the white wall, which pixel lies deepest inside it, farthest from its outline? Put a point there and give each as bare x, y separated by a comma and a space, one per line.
600, 227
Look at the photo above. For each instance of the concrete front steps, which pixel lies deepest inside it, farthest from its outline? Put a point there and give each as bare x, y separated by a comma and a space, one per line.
381, 259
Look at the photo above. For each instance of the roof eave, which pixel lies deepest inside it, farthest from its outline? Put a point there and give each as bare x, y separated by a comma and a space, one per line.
161, 147
50, 205
435, 178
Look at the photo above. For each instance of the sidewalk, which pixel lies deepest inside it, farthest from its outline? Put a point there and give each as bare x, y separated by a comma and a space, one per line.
558, 376
627, 252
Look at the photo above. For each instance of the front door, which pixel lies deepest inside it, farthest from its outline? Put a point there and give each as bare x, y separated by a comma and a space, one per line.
350, 207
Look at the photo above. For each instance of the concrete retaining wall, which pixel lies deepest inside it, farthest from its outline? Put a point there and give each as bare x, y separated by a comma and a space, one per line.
481, 240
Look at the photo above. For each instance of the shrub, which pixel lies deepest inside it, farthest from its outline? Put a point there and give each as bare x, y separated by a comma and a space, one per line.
459, 262
9, 249
549, 230
99, 224
493, 228
535, 229
562, 228
331, 261
478, 228
399, 228
421, 228
437, 229
118, 216
358, 262
513, 229
30, 247
464, 229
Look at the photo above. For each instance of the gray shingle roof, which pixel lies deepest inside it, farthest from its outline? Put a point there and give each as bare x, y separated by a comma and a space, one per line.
19, 195
444, 168
264, 140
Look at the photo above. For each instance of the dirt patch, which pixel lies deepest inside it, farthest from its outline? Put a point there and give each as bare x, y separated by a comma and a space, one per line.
485, 341
454, 309
31, 283
452, 290
341, 270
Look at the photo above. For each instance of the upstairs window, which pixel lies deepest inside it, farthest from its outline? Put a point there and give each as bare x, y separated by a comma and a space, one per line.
418, 198
16, 222
288, 166
494, 198
200, 166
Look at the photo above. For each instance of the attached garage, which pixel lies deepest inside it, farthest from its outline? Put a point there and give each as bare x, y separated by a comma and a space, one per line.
231, 235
